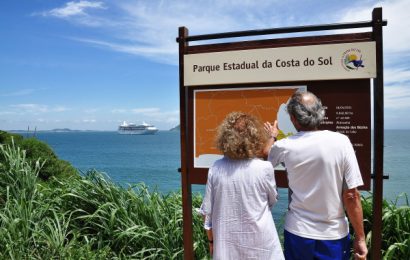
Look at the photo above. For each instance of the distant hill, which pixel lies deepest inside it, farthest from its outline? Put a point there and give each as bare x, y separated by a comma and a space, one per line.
63, 130
177, 128
51, 130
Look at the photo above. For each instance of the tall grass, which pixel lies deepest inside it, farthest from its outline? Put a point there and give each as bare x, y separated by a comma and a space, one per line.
90, 217
87, 218
396, 226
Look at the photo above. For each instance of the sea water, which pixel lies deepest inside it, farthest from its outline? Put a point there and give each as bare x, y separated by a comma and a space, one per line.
155, 159
125, 159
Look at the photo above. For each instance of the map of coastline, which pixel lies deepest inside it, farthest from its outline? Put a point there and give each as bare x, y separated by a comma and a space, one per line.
212, 106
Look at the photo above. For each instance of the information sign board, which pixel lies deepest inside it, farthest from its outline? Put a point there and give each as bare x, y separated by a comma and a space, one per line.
311, 62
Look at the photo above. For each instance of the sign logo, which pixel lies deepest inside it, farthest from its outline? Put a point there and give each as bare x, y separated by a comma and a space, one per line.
352, 59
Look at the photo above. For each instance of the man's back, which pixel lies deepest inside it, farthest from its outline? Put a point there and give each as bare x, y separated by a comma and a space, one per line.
317, 162
324, 175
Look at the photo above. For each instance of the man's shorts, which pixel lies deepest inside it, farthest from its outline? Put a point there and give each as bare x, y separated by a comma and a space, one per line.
300, 248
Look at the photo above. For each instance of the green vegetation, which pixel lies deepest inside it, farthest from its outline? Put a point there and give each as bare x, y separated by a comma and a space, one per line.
396, 226
282, 135
35, 149
68, 216
86, 217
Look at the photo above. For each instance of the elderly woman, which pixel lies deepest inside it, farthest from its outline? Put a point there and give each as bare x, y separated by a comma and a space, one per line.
240, 192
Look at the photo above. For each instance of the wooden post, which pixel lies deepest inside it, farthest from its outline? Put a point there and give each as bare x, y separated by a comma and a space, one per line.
185, 182
378, 137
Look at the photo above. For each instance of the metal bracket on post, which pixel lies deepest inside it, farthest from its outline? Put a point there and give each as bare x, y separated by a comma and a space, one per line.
385, 176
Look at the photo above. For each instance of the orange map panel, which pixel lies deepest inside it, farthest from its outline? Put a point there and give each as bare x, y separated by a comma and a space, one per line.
212, 106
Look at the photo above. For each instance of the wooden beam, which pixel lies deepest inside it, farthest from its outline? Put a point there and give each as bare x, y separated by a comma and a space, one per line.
378, 86
185, 182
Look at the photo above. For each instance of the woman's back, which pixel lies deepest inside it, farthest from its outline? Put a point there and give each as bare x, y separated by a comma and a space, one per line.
242, 193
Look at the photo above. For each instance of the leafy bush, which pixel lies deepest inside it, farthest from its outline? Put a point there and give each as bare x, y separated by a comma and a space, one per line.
90, 217
87, 217
8, 138
19, 215
53, 166
396, 226
35, 150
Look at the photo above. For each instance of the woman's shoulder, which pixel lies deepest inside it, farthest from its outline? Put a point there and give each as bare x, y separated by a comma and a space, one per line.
257, 162
262, 170
220, 162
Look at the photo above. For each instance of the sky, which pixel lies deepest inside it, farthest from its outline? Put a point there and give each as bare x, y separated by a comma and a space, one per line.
90, 65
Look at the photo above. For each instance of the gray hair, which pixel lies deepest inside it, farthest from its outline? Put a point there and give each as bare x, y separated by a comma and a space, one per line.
306, 108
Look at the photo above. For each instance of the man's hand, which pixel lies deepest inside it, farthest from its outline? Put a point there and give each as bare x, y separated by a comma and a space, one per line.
353, 206
360, 249
272, 130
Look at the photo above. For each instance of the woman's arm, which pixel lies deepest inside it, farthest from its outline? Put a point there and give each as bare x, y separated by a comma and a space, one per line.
210, 241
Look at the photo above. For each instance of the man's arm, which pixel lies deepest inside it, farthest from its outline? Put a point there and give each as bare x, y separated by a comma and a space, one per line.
273, 132
353, 206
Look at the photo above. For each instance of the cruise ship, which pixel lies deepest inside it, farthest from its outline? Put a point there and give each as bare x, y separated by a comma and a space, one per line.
133, 129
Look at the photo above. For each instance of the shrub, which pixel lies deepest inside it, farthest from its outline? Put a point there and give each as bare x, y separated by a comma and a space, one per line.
90, 217
19, 214
396, 226
87, 217
35, 150
6, 138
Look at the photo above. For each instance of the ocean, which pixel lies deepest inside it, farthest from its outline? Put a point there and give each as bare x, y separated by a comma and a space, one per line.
155, 159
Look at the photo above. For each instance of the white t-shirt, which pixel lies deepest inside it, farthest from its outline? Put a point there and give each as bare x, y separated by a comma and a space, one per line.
318, 164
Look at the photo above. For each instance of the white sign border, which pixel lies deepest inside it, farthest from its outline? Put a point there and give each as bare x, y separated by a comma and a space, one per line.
364, 66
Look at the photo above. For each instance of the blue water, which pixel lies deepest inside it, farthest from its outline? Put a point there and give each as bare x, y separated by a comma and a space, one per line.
396, 163
154, 159
126, 159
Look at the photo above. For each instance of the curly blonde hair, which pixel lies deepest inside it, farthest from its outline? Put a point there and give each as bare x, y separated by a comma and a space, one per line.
241, 136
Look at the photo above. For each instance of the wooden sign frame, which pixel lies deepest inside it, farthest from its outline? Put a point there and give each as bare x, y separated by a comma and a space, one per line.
191, 175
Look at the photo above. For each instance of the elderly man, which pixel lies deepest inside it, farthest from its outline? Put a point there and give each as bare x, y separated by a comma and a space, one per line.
323, 176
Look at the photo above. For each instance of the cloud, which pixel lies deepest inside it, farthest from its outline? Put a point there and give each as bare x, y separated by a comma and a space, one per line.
160, 116
59, 109
149, 28
396, 34
31, 108
74, 9
89, 121
158, 53
21, 92
78, 12
2, 113
396, 75
37, 108
91, 110
119, 111
397, 97
396, 37
156, 115
145, 111
151, 114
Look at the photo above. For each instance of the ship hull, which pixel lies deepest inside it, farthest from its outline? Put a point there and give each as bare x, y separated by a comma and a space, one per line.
133, 129
137, 132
